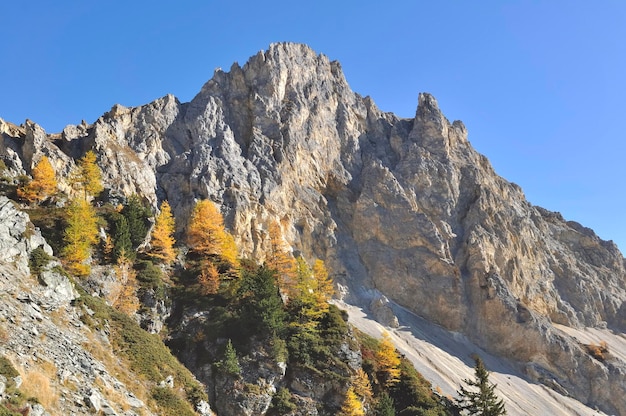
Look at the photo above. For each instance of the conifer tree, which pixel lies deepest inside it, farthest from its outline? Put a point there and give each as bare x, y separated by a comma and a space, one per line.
324, 289
384, 405
280, 259
481, 399
122, 245
125, 296
87, 176
352, 405
207, 236
81, 233
209, 278
43, 185
388, 361
362, 387
230, 363
262, 306
162, 238
136, 215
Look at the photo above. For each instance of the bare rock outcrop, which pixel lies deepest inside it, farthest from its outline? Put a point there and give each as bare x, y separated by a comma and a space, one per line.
402, 207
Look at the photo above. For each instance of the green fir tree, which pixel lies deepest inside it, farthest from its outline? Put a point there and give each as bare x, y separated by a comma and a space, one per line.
481, 400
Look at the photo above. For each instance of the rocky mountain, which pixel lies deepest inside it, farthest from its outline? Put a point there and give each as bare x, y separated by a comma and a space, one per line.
405, 213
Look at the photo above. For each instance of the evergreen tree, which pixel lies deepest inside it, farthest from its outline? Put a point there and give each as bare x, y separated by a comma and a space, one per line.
262, 306
481, 400
122, 245
162, 238
137, 218
384, 406
43, 185
230, 363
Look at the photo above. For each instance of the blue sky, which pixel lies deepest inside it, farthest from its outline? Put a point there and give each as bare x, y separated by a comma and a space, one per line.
540, 85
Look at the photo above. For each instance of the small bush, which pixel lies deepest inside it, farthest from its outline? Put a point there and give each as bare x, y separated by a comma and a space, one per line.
7, 369
170, 403
282, 403
38, 259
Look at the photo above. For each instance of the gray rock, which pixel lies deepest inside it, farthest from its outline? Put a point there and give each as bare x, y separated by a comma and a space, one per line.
403, 206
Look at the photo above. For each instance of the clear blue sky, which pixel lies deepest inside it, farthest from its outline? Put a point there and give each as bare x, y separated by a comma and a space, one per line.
540, 85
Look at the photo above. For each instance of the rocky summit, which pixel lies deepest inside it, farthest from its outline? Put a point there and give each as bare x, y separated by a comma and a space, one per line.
410, 220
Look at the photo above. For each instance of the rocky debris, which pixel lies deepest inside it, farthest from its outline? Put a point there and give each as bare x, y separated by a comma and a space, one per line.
42, 332
403, 206
383, 312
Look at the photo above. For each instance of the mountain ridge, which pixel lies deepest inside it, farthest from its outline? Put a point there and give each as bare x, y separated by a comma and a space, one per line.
285, 139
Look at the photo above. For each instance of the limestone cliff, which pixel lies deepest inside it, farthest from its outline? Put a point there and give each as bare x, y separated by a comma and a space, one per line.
405, 208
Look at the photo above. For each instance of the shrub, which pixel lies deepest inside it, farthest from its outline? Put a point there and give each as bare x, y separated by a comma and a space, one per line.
282, 403
38, 259
7, 369
170, 403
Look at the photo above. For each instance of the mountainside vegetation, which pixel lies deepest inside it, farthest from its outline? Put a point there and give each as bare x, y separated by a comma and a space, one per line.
275, 315
232, 227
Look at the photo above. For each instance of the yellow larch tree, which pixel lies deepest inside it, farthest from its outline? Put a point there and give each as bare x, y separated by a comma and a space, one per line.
80, 234
205, 229
124, 295
162, 239
209, 278
87, 176
352, 405
362, 387
207, 236
388, 361
280, 259
324, 288
43, 185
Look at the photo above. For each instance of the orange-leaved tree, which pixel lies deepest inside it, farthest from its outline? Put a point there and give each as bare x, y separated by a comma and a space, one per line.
124, 295
43, 185
280, 259
207, 237
388, 361
162, 239
362, 387
209, 278
324, 289
80, 234
352, 405
87, 176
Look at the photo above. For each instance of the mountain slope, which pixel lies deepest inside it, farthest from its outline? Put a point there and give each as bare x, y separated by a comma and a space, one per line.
404, 208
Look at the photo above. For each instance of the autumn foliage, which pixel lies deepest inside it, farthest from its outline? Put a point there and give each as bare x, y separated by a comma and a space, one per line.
87, 176
207, 236
162, 238
124, 295
352, 405
43, 185
81, 233
388, 361
280, 259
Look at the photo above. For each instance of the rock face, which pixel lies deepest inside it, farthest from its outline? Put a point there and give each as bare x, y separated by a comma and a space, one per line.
43, 334
402, 207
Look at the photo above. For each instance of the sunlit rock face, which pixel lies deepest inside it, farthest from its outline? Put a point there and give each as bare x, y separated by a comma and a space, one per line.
405, 208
